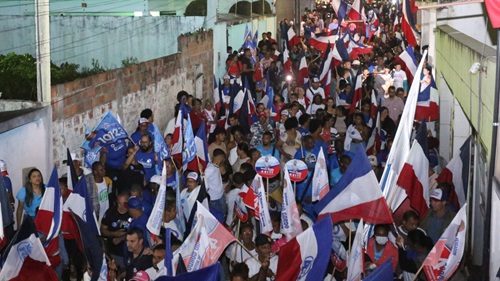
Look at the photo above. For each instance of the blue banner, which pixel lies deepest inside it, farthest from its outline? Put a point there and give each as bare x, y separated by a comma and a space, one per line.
107, 132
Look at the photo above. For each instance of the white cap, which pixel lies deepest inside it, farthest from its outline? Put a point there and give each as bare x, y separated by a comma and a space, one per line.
3, 166
315, 80
156, 179
356, 62
437, 194
143, 120
193, 176
226, 76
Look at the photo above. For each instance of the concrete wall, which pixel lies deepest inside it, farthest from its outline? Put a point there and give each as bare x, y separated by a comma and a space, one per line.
236, 32
126, 91
469, 19
27, 145
108, 39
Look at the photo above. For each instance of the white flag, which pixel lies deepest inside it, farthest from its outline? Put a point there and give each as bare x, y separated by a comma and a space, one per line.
264, 216
320, 186
290, 219
355, 260
155, 220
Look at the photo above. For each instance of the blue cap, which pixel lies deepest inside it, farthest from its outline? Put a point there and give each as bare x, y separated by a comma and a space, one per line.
134, 203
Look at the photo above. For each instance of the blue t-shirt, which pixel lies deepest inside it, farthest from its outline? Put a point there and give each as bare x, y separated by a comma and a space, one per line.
140, 223
117, 154
269, 151
35, 203
147, 160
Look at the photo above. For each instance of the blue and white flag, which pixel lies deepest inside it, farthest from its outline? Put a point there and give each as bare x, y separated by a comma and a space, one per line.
80, 203
306, 257
189, 150
160, 147
107, 132
155, 219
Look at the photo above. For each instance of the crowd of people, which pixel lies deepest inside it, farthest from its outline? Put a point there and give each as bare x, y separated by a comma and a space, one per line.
303, 118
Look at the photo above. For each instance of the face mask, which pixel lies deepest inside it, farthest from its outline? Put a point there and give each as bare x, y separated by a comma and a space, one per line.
381, 240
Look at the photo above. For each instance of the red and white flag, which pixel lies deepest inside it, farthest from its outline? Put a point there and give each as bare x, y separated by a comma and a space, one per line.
320, 185
205, 243
303, 77
444, 259
290, 219
49, 216
293, 39
358, 94
394, 194
414, 179
321, 43
287, 62
177, 138
408, 22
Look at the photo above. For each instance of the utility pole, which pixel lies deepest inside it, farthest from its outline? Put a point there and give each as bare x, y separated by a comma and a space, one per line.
42, 26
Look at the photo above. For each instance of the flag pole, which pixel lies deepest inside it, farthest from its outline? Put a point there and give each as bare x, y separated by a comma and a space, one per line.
333, 273
350, 236
267, 186
418, 272
199, 166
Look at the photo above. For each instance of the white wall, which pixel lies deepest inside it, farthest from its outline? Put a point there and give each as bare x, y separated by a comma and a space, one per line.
28, 146
108, 39
495, 230
474, 26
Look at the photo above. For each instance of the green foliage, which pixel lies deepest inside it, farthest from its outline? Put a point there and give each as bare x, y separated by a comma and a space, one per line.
129, 61
18, 75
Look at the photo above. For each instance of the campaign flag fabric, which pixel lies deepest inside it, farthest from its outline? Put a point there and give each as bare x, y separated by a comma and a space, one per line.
355, 48
210, 273
355, 261
320, 185
428, 102
290, 218
238, 96
108, 131
293, 39
383, 272
49, 215
262, 209
340, 8
71, 171
287, 61
240, 212
306, 256
303, 77
408, 63
249, 198
81, 205
358, 94
394, 194
25, 244
414, 179
214, 239
3, 209
177, 137
356, 12
92, 248
218, 98
155, 219
356, 195
457, 173
408, 23
189, 150
160, 147
493, 9
321, 43
199, 195
444, 258
168, 253
201, 155
340, 52
179, 216
92, 155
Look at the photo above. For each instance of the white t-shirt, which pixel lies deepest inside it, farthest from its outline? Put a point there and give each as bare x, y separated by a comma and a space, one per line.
170, 127
314, 107
310, 93
236, 253
213, 182
254, 266
231, 197
102, 197
399, 78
